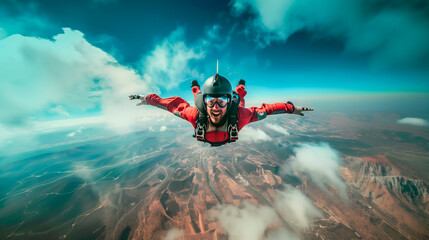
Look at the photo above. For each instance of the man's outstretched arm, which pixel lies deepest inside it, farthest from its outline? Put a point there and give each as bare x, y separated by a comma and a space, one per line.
253, 114
175, 105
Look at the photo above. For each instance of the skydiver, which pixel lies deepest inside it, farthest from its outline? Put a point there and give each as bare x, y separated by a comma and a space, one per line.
219, 113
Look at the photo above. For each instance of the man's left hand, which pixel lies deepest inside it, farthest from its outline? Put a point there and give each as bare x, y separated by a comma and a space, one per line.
298, 110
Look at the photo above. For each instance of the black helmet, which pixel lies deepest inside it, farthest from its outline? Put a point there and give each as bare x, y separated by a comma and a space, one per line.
217, 85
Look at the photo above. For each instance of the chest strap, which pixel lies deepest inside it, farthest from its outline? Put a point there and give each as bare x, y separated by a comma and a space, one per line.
202, 122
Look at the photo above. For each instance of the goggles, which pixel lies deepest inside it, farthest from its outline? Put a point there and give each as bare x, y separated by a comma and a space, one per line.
221, 101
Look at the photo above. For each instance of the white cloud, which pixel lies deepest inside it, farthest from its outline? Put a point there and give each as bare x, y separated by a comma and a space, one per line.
174, 234
67, 72
393, 34
250, 135
248, 222
296, 208
414, 121
277, 128
163, 128
241, 180
320, 162
169, 63
59, 110
72, 134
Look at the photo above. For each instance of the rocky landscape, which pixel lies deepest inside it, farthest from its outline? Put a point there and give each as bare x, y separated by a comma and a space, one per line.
356, 184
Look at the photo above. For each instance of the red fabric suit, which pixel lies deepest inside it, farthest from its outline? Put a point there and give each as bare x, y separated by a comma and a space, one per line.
181, 108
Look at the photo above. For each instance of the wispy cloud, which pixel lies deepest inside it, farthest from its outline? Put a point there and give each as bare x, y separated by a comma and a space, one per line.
72, 134
414, 121
277, 128
320, 162
175, 60
169, 63
296, 208
59, 110
392, 33
250, 135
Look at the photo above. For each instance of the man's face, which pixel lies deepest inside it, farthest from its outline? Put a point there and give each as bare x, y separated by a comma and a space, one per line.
214, 108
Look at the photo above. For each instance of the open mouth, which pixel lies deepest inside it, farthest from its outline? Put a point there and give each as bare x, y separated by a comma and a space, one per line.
216, 114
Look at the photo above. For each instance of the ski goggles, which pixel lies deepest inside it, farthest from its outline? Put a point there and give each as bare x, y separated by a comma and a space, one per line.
221, 101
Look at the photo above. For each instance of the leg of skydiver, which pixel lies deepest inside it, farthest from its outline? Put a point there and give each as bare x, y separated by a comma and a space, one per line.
241, 92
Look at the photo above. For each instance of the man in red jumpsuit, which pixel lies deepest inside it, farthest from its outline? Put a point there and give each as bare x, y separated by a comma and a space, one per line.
219, 113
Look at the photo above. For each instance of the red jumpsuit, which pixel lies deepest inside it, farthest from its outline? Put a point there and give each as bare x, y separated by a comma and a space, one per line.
181, 108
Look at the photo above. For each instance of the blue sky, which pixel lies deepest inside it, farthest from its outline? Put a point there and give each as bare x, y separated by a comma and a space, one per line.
74, 59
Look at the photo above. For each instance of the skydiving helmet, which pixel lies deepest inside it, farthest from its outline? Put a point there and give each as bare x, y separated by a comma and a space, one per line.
217, 86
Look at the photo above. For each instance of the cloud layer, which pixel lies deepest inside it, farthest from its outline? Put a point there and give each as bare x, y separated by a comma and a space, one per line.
393, 33
414, 121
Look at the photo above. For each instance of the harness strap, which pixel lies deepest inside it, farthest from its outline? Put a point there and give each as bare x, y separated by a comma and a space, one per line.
201, 126
200, 129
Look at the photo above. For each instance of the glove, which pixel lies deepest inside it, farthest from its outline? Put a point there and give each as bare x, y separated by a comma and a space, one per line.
194, 83
298, 110
132, 97
142, 98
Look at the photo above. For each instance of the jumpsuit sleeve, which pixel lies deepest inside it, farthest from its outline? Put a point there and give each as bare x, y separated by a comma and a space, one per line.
175, 105
253, 114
